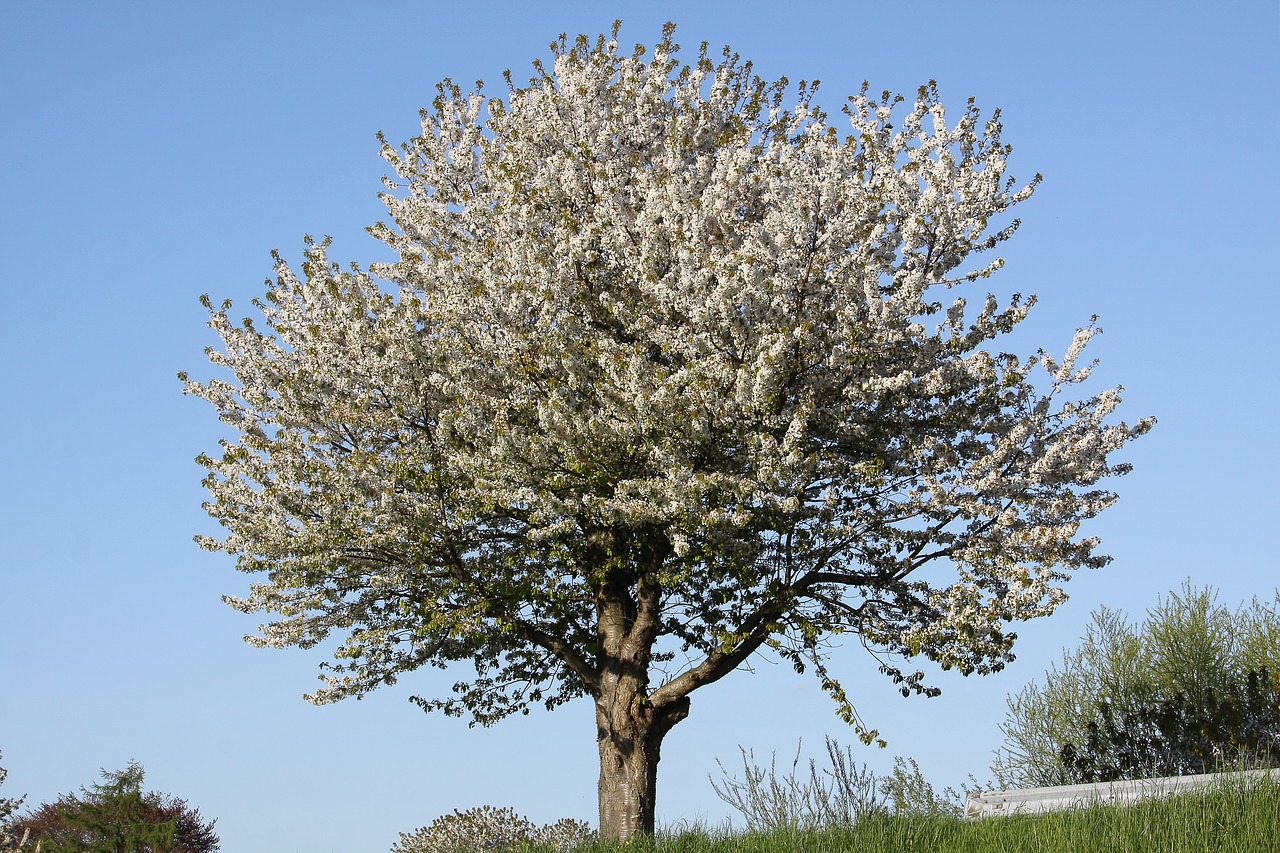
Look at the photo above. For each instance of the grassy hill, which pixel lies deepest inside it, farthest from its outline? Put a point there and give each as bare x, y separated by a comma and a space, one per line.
1221, 821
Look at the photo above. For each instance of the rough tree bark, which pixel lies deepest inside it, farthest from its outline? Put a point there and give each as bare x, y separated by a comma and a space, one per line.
629, 733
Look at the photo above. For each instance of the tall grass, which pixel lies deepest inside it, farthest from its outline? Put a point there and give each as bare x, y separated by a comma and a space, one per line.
1231, 817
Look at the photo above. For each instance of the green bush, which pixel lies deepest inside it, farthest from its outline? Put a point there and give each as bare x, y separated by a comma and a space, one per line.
1194, 685
116, 814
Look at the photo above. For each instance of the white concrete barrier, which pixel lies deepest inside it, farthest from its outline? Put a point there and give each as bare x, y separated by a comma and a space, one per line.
1035, 800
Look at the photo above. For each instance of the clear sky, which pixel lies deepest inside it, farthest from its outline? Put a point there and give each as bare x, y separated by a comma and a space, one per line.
151, 152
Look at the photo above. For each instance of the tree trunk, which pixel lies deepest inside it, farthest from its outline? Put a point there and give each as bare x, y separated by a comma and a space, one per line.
629, 725
629, 733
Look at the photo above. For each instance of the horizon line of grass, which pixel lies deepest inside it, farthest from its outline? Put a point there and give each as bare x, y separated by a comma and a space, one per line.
1228, 818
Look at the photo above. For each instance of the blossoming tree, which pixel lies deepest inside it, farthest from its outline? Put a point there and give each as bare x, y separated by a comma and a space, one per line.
663, 377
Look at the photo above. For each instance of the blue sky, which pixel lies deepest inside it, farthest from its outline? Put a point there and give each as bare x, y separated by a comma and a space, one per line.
151, 152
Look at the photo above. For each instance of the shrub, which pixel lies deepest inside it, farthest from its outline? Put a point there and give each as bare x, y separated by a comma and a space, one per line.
909, 793
841, 795
1183, 735
1194, 684
844, 795
564, 834
116, 814
488, 830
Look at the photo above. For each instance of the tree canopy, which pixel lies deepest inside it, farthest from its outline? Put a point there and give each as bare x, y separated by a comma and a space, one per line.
668, 371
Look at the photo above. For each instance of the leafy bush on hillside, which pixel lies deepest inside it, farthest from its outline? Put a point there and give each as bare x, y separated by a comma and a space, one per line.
1182, 734
1194, 685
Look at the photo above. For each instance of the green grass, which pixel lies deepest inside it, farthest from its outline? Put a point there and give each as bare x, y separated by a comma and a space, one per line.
1221, 820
